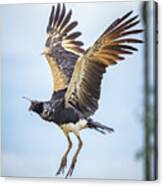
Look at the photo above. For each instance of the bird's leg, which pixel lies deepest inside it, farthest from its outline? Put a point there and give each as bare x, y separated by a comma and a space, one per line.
74, 159
64, 158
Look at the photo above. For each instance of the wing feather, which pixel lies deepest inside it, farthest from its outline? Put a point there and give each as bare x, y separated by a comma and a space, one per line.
83, 91
62, 49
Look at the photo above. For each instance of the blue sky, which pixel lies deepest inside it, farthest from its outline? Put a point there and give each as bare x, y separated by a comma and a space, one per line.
33, 147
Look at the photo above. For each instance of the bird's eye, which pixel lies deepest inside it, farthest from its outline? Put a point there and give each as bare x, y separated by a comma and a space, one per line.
46, 112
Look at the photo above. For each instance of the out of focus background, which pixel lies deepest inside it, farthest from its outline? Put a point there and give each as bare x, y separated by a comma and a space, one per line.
32, 147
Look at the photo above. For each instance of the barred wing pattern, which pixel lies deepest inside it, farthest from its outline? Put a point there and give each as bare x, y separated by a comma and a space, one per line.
62, 49
84, 89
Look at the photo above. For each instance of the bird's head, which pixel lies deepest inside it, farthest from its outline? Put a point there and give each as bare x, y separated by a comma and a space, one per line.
35, 106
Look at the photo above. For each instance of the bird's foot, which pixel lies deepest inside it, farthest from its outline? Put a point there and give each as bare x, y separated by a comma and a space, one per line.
62, 167
71, 169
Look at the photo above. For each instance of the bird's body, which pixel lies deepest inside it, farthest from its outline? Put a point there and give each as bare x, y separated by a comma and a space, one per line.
68, 119
55, 111
77, 73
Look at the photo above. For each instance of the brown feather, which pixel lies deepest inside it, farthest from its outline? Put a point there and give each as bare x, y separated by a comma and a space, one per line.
59, 81
84, 89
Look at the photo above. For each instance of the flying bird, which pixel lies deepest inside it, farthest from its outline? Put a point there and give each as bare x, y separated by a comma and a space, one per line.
77, 73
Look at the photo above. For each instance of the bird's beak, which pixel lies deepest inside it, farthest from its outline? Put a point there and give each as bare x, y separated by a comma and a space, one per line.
30, 108
27, 98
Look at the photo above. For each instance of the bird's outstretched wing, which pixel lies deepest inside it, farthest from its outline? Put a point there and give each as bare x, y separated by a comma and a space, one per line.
84, 89
62, 49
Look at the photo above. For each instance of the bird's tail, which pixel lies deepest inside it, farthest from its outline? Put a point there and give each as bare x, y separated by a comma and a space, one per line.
99, 127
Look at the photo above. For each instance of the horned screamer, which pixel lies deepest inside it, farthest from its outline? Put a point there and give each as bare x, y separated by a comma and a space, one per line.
77, 73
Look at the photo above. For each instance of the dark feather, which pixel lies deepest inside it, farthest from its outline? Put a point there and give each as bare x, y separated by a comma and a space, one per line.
51, 19
70, 27
131, 25
56, 15
66, 20
78, 43
116, 22
128, 41
62, 15
128, 47
73, 35
125, 24
63, 49
131, 32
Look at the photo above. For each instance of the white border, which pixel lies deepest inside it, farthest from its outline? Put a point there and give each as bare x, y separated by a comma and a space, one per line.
42, 181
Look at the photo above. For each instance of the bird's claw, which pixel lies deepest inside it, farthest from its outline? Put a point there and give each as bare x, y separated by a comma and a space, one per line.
62, 166
70, 171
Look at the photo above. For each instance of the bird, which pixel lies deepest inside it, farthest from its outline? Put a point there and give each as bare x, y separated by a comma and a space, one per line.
77, 74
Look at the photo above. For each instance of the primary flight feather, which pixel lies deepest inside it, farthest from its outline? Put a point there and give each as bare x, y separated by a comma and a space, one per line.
62, 49
77, 73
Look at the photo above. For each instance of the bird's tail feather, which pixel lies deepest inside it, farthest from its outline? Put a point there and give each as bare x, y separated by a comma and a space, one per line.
99, 127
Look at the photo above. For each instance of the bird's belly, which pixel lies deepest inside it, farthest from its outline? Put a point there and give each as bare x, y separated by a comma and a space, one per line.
74, 127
